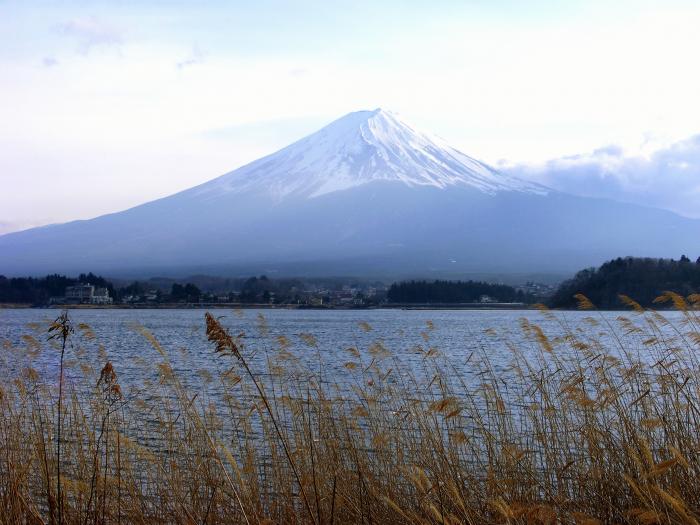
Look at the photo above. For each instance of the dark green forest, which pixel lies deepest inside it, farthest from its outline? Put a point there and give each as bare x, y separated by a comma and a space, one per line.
642, 279
252, 290
38, 290
453, 292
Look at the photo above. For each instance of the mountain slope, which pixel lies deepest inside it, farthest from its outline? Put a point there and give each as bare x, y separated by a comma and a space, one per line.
366, 195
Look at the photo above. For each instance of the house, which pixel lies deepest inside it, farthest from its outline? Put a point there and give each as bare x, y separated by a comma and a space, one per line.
101, 296
85, 293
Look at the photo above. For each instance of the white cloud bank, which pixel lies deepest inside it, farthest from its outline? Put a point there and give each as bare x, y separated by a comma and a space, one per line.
666, 178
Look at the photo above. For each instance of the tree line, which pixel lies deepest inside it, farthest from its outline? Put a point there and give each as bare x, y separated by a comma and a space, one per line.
453, 292
38, 290
642, 279
251, 290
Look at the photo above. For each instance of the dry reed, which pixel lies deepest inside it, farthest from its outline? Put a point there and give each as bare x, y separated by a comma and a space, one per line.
585, 426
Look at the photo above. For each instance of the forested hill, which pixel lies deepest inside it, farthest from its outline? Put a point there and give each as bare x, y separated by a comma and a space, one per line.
642, 279
453, 292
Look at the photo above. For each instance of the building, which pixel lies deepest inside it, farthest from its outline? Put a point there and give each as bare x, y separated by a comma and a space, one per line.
101, 296
537, 289
85, 293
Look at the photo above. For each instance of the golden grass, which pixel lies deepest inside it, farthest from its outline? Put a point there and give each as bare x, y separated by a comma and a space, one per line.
587, 426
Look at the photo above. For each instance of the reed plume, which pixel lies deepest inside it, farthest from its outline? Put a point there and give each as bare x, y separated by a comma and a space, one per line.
587, 422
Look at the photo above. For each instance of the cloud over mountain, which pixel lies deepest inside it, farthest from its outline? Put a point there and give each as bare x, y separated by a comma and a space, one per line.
668, 178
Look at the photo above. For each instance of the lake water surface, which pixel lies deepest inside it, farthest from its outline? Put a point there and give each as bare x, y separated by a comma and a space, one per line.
406, 334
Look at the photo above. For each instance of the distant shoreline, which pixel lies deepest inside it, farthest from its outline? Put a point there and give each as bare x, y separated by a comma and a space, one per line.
236, 306
249, 306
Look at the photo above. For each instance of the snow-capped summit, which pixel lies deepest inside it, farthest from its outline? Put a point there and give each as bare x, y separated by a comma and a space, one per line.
363, 147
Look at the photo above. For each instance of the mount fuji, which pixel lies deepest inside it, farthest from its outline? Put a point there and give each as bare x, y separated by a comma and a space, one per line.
367, 195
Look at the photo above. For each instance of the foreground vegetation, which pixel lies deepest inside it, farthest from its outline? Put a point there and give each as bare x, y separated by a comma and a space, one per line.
585, 426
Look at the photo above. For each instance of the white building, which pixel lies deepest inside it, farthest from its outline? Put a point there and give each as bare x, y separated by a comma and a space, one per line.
87, 294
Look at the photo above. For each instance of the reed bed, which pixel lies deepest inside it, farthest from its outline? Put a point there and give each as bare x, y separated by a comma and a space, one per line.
591, 426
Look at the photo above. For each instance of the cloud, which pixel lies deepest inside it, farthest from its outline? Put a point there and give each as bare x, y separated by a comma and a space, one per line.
298, 72
91, 32
49, 62
196, 57
666, 178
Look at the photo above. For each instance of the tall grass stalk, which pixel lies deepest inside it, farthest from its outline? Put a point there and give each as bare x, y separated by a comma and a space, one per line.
60, 329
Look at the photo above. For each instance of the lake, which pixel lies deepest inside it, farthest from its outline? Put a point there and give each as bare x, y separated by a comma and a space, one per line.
408, 335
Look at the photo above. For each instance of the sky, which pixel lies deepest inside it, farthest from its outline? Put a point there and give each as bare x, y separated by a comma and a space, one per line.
106, 105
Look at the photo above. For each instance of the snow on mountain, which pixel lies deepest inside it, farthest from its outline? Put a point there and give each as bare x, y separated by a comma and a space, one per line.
363, 147
366, 196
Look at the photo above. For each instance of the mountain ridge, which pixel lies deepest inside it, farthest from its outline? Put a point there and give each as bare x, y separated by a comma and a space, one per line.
365, 195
